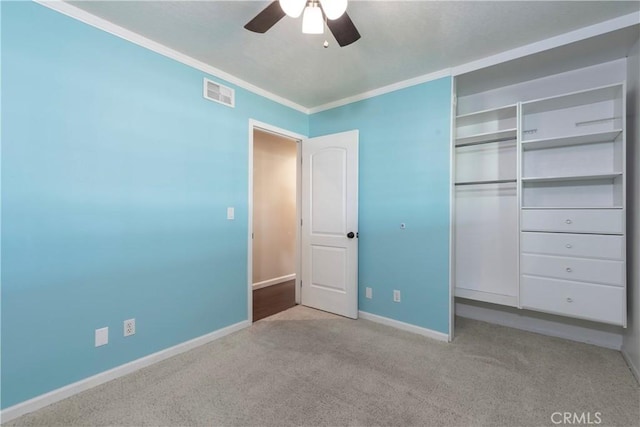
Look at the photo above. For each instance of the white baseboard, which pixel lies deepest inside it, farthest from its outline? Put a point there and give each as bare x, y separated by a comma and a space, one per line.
429, 333
47, 399
635, 369
273, 281
607, 336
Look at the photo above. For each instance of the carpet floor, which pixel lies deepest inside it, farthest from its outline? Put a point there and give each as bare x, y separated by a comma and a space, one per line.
303, 367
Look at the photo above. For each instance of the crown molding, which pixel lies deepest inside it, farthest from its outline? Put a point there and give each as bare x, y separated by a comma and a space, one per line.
550, 43
382, 90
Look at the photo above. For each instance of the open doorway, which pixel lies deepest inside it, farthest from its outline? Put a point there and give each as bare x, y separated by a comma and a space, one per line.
274, 222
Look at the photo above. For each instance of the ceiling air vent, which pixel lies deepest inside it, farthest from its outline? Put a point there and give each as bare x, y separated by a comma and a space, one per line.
216, 92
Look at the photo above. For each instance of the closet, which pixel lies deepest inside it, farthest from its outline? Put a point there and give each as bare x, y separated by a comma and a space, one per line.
539, 192
486, 243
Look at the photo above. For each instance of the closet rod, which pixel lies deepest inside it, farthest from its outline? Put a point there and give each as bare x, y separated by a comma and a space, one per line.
494, 181
470, 144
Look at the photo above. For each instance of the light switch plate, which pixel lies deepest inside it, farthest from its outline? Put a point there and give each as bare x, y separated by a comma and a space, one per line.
231, 214
102, 336
396, 295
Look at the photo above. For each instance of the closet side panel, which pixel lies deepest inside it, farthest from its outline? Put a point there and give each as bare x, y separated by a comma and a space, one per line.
487, 243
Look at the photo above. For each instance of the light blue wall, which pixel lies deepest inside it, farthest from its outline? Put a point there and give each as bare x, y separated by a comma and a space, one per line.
404, 178
116, 176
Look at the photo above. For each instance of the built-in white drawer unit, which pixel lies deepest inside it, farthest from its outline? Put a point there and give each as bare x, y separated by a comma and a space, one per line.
573, 245
600, 221
600, 303
582, 269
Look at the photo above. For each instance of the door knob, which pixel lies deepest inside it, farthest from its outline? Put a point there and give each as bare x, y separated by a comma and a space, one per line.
351, 235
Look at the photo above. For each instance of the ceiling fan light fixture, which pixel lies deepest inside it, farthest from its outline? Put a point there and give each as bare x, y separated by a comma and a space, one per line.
334, 9
292, 8
312, 22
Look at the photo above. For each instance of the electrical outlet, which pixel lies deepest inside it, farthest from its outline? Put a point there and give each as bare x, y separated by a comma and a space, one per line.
129, 327
368, 292
396, 295
102, 336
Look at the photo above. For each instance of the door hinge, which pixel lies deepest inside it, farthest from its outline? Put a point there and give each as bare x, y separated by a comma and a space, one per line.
300, 222
251, 236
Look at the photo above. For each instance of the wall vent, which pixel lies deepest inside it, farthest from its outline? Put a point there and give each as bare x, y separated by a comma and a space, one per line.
216, 92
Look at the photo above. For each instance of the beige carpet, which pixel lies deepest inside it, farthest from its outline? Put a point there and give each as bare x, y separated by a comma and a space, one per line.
304, 367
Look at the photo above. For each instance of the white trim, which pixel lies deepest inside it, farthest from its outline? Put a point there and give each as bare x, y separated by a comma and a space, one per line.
57, 395
573, 329
252, 127
382, 90
274, 281
429, 333
635, 370
519, 130
275, 130
550, 43
298, 290
123, 33
452, 208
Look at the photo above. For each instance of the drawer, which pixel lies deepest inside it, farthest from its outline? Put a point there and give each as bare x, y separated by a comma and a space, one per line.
581, 300
574, 245
582, 269
605, 221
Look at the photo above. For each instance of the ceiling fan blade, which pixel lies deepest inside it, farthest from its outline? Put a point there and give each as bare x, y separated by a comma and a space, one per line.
266, 19
343, 30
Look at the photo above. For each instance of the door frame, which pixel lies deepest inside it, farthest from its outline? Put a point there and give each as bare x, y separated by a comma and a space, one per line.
265, 127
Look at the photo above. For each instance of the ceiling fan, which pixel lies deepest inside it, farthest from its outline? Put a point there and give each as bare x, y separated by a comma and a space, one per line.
316, 13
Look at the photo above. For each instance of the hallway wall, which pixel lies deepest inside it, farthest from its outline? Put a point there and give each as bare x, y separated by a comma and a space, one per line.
274, 206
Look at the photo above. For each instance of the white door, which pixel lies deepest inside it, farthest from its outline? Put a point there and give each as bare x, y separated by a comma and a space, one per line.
330, 223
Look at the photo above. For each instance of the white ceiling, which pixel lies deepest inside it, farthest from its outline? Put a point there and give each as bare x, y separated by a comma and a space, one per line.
400, 39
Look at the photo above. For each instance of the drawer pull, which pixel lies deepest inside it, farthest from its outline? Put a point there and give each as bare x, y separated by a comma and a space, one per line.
569, 270
568, 221
569, 299
568, 246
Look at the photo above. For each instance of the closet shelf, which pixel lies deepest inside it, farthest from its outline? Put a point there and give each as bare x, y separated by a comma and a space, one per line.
565, 141
603, 176
487, 138
492, 114
478, 295
491, 181
574, 99
570, 207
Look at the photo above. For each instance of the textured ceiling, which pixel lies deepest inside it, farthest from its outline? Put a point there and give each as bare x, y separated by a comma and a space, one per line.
400, 39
